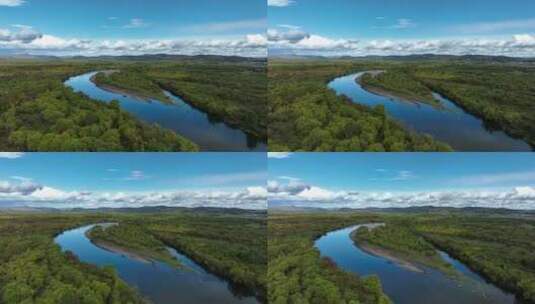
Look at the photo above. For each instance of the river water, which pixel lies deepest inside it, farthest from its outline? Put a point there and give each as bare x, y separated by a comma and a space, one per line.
404, 286
449, 123
157, 281
179, 116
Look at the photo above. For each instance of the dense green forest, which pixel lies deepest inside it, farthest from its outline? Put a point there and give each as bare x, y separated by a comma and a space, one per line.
496, 244
133, 239
232, 246
297, 273
38, 113
399, 84
33, 269
499, 248
305, 115
132, 82
398, 241
502, 94
230, 91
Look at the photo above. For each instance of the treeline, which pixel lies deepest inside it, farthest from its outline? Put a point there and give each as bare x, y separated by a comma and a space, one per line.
38, 113
305, 115
297, 273
229, 91
131, 81
34, 270
399, 84
500, 249
132, 238
231, 246
502, 94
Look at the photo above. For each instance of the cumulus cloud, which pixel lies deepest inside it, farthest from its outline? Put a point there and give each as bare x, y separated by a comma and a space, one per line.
27, 193
293, 35
304, 195
254, 45
22, 34
297, 41
12, 3
280, 3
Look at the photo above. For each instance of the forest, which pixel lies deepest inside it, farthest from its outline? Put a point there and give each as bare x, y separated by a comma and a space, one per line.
398, 241
496, 244
230, 91
38, 113
305, 115
398, 84
502, 94
33, 269
298, 274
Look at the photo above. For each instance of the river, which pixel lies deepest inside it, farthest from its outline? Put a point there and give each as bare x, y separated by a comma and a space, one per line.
156, 281
179, 116
448, 123
405, 286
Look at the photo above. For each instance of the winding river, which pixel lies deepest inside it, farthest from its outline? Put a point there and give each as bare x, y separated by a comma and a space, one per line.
405, 286
448, 123
179, 116
156, 281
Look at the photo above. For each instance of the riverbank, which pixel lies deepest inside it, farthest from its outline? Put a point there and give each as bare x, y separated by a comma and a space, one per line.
396, 96
389, 255
127, 91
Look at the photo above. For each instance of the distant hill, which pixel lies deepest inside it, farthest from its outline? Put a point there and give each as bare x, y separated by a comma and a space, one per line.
423, 209
147, 57
415, 57
152, 209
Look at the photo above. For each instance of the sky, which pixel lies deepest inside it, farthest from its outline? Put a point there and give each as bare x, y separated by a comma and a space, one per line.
92, 180
401, 27
362, 180
119, 27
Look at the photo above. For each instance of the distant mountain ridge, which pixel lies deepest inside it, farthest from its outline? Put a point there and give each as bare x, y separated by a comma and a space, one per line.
413, 57
145, 57
421, 209
152, 209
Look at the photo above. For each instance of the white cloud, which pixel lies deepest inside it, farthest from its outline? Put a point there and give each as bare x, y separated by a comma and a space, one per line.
302, 43
304, 195
254, 45
280, 3
23, 34
12, 2
279, 155
11, 155
136, 23
35, 195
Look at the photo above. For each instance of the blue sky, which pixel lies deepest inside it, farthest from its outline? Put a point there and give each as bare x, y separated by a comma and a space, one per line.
400, 179
68, 22
350, 27
56, 179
